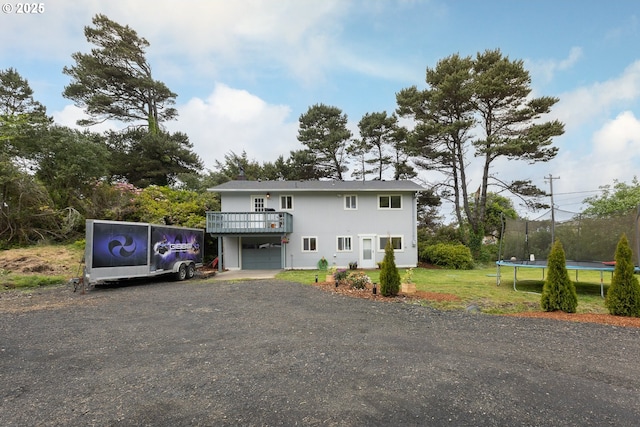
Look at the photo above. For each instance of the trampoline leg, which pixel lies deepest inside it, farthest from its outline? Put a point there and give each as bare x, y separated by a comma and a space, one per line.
602, 284
515, 278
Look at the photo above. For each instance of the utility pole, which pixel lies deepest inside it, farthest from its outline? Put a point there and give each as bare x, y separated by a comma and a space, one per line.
553, 215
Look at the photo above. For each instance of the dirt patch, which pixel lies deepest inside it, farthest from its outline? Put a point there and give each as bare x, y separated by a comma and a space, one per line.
606, 319
50, 260
47, 298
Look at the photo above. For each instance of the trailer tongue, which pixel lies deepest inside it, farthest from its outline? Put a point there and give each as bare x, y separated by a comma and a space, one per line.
121, 250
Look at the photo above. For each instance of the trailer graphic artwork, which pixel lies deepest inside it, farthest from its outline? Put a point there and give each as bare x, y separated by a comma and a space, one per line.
119, 245
170, 245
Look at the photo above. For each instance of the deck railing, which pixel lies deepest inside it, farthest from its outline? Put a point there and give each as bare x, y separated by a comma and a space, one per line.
249, 222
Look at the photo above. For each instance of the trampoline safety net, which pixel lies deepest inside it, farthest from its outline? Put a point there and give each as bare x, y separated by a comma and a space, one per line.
583, 238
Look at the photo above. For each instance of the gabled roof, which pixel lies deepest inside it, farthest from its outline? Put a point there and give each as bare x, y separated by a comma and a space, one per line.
240, 186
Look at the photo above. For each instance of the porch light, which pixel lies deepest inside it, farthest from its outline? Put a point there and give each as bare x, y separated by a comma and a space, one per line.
268, 195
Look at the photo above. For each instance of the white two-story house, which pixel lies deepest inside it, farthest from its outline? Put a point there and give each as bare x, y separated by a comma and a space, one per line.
294, 224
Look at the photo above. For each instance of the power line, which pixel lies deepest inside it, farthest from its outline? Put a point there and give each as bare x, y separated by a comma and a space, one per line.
580, 192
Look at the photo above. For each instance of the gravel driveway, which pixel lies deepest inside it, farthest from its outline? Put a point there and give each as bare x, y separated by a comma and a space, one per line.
277, 353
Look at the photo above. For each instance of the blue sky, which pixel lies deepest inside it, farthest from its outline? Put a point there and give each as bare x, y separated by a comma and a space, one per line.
245, 71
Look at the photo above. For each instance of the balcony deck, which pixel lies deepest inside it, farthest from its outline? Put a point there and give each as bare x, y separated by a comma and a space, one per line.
240, 223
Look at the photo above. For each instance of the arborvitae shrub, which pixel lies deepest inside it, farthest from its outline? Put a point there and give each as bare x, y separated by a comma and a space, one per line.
389, 274
558, 292
623, 295
449, 255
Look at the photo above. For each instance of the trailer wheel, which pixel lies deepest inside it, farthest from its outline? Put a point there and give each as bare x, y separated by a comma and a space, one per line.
182, 272
191, 271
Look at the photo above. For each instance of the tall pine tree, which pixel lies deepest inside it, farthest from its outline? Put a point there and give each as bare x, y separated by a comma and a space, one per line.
323, 130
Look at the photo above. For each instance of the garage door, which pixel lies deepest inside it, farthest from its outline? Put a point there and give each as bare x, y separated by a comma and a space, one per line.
261, 254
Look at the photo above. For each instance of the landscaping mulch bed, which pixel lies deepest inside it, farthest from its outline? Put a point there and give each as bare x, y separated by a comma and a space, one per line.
605, 319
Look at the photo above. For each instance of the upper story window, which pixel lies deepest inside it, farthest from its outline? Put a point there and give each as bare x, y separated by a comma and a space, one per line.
351, 202
286, 203
390, 202
258, 203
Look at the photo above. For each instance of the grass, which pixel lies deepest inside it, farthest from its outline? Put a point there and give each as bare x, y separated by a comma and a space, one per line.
33, 281
479, 287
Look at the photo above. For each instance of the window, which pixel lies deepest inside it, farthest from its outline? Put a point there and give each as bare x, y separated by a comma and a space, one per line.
390, 202
396, 242
344, 244
258, 204
351, 202
286, 203
309, 244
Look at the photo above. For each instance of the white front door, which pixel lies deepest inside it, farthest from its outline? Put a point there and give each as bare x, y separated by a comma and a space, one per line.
367, 252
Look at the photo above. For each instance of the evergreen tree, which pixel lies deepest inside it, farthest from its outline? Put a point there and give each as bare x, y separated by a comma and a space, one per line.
145, 159
323, 131
377, 132
389, 275
623, 296
558, 292
480, 107
114, 81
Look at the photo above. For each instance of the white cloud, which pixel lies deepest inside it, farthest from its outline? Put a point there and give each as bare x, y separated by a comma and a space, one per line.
210, 32
590, 102
612, 153
235, 120
545, 70
618, 142
574, 56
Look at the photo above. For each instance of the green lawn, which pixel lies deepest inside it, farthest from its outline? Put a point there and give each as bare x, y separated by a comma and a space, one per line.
479, 287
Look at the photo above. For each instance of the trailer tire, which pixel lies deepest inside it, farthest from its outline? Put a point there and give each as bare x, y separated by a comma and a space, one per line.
191, 271
182, 272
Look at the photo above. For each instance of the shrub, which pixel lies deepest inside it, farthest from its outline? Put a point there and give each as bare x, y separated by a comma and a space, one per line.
623, 296
449, 255
488, 253
389, 274
340, 275
558, 291
358, 280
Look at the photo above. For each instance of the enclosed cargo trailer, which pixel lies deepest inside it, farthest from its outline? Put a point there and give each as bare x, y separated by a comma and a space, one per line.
122, 250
